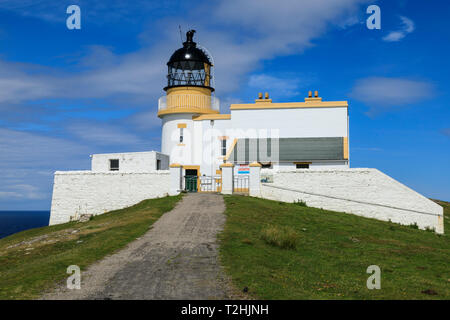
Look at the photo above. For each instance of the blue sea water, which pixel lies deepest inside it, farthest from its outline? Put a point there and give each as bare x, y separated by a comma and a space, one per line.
15, 221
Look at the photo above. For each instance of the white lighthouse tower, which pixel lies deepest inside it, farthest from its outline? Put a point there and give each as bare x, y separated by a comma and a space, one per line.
188, 94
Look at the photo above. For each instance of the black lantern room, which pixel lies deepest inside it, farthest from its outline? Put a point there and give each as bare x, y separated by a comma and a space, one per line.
189, 66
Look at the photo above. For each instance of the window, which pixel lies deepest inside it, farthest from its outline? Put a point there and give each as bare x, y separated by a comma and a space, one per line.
181, 135
302, 165
224, 147
114, 164
158, 164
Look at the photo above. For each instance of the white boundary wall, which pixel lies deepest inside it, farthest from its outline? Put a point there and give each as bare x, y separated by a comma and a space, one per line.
364, 192
87, 192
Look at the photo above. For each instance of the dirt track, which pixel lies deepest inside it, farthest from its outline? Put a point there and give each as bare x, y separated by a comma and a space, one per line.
176, 259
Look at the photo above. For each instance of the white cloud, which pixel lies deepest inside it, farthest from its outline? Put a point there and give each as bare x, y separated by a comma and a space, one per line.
382, 93
106, 135
144, 120
276, 28
94, 11
406, 28
27, 150
27, 162
23, 191
282, 87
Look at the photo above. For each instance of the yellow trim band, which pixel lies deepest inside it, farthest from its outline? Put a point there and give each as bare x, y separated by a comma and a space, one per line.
186, 110
212, 117
227, 164
181, 125
255, 164
231, 149
190, 167
290, 105
345, 145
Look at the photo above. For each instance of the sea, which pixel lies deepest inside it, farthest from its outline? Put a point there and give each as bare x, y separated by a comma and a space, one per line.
16, 221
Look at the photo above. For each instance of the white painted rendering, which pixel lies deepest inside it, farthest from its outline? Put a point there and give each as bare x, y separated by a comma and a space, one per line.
364, 192
130, 161
255, 181
227, 180
294, 122
175, 180
343, 164
170, 138
87, 192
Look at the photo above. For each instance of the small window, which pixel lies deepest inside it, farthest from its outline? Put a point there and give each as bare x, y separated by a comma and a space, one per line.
114, 164
181, 135
302, 165
158, 164
224, 147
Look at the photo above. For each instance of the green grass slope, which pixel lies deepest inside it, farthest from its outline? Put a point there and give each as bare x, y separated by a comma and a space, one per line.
35, 260
289, 251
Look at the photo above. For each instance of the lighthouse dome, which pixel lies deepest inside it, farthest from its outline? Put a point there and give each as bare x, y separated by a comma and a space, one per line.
189, 66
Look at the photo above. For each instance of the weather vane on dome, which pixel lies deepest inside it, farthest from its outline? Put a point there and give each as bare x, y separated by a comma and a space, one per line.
190, 36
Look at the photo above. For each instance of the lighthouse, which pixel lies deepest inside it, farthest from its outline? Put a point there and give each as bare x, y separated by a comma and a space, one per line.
189, 93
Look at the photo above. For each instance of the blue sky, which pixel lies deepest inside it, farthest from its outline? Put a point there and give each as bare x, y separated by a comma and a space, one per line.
65, 94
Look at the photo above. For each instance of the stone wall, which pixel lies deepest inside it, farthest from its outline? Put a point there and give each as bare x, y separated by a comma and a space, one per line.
365, 192
86, 192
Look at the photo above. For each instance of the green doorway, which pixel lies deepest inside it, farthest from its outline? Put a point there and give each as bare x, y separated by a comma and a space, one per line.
190, 182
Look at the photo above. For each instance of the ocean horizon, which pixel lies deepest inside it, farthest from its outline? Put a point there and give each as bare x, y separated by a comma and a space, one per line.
13, 221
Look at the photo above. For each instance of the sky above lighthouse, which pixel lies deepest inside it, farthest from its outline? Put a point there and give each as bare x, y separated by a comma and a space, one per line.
66, 94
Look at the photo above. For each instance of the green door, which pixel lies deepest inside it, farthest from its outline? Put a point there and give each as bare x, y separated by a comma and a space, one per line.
190, 183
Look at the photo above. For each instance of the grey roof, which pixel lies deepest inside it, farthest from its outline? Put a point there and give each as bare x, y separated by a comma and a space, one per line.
289, 149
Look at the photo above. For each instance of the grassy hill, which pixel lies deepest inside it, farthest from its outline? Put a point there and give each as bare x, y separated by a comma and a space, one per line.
35, 260
277, 250
288, 251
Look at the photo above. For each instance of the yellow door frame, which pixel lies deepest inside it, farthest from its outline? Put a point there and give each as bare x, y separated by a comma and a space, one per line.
191, 167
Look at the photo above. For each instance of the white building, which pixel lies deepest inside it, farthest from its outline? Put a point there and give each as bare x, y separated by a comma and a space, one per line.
309, 134
302, 147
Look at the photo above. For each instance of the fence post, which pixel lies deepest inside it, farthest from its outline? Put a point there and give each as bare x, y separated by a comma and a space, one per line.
175, 179
227, 178
254, 184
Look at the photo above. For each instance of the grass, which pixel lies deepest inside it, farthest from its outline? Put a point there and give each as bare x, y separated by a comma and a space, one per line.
331, 254
35, 260
282, 237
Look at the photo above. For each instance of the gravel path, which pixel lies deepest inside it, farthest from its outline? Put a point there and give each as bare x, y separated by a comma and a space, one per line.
176, 259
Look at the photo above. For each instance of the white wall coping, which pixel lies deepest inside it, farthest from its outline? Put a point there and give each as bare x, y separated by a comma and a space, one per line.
265, 170
117, 153
351, 200
352, 170
88, 172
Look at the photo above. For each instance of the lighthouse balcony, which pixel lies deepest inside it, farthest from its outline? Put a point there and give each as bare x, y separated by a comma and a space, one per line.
188, 103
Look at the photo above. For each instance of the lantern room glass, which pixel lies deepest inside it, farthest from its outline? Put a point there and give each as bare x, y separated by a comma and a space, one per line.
189, 73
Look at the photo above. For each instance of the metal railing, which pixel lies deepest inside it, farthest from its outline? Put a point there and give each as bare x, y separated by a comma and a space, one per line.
188, 102
240, 183
210, 183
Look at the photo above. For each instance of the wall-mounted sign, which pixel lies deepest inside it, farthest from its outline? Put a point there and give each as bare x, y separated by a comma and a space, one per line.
267, 177
243, 169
